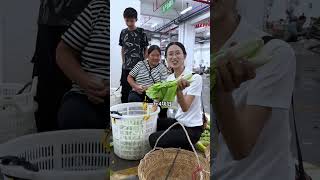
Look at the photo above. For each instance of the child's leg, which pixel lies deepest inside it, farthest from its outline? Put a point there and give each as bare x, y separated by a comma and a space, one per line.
126, 88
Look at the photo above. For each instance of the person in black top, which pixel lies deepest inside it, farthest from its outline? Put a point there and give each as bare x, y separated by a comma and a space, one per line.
55, 16
301, 21
134, 42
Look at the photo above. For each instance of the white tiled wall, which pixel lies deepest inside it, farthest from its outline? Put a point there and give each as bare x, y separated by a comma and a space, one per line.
116, 25
18, 28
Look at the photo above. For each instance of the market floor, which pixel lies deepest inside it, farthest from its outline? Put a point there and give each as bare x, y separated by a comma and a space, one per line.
307, 102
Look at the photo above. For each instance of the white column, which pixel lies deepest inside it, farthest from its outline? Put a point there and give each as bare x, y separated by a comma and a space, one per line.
187, 38
155, 42
252, 11
201, 54
278, 10
116, 25
19, 39
1, 41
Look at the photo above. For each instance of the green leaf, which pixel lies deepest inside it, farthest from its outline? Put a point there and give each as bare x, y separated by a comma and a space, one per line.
165, 91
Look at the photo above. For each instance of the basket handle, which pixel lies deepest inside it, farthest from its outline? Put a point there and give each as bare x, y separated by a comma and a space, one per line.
34, 86
184, 129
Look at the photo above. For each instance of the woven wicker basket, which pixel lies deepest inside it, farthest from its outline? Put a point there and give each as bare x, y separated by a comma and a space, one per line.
187, 166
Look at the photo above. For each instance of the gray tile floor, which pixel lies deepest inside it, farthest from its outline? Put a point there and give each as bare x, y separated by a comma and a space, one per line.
307, 103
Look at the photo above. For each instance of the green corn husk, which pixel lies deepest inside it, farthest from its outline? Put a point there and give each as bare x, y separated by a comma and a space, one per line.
165, 91
205, 143
200, 147
249, 50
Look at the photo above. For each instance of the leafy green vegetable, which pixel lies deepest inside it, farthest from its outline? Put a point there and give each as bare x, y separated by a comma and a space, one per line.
165, 91
249, 50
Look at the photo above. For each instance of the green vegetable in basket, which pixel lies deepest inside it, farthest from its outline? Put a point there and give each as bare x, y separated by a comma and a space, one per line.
250, 50
204, 141
200, 146
165, 91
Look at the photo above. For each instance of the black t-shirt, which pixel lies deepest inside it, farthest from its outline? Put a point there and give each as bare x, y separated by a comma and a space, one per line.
134, 43
60, 12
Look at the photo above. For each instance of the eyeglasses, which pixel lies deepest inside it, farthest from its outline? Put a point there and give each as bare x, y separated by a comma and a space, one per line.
16, 161
177, 53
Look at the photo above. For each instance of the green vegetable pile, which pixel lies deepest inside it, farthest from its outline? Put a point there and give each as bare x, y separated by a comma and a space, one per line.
165, 91
250, 50
204, 141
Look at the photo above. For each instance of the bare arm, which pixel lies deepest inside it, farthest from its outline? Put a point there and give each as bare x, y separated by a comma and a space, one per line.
240, 127
68, 61
132, 82
184, 101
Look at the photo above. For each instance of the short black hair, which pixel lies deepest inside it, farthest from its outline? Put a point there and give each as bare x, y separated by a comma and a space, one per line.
154, 47
178, 44
130, 13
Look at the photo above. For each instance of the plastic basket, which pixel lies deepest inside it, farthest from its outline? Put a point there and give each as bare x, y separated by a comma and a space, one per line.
115, 96
130, 131
17, 111
63, 155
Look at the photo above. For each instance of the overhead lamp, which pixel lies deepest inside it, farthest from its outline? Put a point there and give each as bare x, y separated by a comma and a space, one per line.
187, 9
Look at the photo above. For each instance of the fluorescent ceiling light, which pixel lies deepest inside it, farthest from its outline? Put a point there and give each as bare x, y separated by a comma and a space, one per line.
186, 10
154, 25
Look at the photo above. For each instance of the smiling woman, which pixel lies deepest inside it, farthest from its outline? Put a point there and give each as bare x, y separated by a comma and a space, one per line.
188, 97
146, 73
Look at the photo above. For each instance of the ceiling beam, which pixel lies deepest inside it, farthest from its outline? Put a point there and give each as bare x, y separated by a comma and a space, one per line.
157, 16
201, 17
